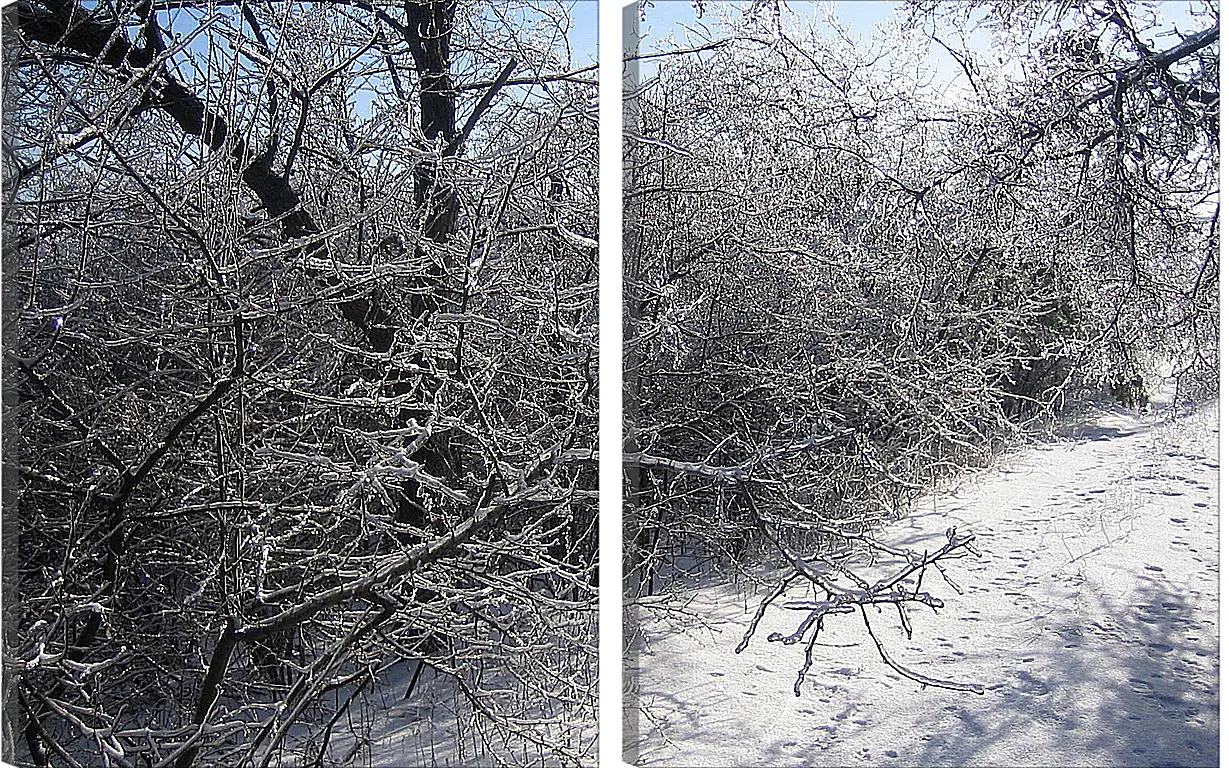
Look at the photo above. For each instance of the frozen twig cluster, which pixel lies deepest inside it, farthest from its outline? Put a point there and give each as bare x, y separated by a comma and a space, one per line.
846, 591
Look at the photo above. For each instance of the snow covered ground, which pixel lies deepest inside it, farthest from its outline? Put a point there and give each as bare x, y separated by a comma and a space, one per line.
436, 726
1090, 618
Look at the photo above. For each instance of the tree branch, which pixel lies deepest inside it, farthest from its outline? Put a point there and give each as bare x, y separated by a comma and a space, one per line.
458, 143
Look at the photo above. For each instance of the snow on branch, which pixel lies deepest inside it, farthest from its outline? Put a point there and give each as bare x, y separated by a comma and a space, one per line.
741, 473
392, 566
900, 588
720, 474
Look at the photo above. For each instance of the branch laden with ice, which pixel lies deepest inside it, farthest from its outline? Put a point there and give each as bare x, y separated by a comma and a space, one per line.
898, 589
735, 474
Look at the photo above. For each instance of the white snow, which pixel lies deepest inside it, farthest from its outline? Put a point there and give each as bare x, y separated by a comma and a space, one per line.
437, 726
1090, 618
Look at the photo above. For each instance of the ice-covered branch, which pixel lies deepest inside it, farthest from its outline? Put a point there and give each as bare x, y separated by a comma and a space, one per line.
890, 590
741, 473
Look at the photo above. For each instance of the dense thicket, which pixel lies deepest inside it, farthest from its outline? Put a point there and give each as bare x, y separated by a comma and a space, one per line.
843, 285
300, 377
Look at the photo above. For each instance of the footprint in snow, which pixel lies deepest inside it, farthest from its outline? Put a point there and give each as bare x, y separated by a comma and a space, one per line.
1031, 685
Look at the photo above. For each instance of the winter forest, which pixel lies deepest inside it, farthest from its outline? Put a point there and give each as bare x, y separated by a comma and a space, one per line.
920, 366
920, 375
300, 383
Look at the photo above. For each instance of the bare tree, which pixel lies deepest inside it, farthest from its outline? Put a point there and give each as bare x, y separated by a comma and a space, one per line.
845, 287
300, 360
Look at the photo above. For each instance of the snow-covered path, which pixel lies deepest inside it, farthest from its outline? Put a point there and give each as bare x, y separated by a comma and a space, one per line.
1091, 619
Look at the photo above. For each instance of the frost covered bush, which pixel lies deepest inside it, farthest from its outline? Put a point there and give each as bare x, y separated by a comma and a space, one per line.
300, 312
843, 288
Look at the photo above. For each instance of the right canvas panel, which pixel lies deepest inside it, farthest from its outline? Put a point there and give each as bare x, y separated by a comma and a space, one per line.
921, 364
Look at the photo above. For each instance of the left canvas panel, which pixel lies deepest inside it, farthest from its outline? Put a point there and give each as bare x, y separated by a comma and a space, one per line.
300, 383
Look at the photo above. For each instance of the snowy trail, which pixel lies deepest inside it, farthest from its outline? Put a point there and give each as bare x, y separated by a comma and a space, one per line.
1091, 618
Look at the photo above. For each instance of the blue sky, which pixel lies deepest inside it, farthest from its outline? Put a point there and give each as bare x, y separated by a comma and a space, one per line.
861, 16
665, 17
583, 36
665, 24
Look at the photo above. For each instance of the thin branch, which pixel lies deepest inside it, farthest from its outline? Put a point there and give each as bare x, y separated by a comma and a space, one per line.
681, 51
458, 143
806, 664
916, 676
759, 613
571, 76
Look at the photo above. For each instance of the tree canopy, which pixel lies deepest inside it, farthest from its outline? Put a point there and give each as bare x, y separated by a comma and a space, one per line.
300, 343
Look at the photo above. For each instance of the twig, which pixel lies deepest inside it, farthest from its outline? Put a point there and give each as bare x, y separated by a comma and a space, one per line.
759, 613
806, 663
916, 676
